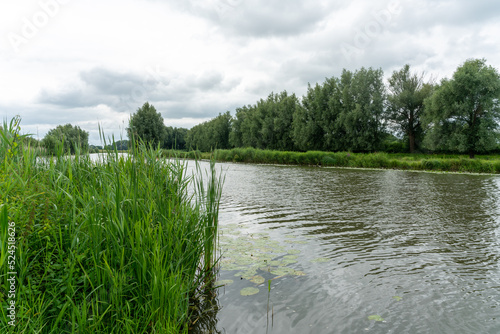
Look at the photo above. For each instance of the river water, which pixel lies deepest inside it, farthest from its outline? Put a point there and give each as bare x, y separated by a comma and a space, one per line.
356, 251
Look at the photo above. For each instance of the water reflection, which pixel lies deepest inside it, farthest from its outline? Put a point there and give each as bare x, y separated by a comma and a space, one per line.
431, 240
204, 312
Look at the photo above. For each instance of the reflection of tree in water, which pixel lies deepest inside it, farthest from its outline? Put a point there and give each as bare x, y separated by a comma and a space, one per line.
204, 311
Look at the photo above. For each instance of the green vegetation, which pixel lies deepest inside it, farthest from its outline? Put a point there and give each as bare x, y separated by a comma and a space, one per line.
357, 112
123, 245
210, 135
120, 145
464, 112
432, 162
147, 125
66, 139
405, 104
266, 125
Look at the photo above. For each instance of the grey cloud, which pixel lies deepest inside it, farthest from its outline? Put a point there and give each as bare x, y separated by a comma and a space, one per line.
98, 86
262, 18
127, 91
74, 98
423, 16
175, 97
209, 81
109, 82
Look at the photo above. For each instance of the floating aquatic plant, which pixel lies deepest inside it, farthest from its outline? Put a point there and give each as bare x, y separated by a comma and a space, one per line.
224, 282
257, 279
375, 317
249, 291
257, 251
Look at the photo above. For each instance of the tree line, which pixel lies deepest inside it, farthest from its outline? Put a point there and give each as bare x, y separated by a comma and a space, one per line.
357, 112
354, 112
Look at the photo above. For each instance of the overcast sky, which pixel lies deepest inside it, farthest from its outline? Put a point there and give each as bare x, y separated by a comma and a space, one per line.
95, 62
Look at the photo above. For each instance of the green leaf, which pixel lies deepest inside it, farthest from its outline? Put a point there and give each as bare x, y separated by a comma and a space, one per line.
249, 291
375, 317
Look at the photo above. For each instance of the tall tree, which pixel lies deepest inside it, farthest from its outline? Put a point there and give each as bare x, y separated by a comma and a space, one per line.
147, 125
238, 128
69, 137
286, 105
308, 131
463, 113
211, 134
405, 104
363, 96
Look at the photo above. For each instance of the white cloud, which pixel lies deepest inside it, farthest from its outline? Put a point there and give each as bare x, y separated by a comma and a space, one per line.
89, 62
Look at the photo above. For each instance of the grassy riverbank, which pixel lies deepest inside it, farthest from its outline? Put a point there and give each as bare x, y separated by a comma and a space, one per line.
429, 162
120, 246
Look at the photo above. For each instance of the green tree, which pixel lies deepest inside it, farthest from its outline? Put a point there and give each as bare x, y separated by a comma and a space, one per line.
179, 138
463, 112
308, 130
274, 117
175, 138
211, 134
120, 145
67, 137
363, 98
237, 126
147, 125
285, 106
405, 104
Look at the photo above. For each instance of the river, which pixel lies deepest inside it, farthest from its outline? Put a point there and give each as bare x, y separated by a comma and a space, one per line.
356, 251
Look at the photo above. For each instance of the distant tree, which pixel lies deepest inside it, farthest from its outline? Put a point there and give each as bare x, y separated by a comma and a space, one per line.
121, 145
285, 106
405, 104
67, 137
29, 140
362, 102
176, 138
342, 114
308, 125
147, 125
463, 112
238, 128
211, 134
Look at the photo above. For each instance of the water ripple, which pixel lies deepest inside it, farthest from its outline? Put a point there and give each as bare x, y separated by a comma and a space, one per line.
420, 250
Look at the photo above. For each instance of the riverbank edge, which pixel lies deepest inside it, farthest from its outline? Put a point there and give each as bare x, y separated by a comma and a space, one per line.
437, 163
70, 212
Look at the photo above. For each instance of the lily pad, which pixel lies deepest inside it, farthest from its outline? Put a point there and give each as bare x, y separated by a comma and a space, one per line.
292, 241
397, 298
320, 260
224, 282
257, 279
375, 317
232, 266
247, 274
281, 271
293, 251
249, 291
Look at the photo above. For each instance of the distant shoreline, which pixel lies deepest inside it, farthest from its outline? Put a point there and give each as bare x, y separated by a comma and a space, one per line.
451, 163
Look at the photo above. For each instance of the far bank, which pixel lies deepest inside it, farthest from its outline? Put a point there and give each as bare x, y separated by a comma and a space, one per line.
489, 164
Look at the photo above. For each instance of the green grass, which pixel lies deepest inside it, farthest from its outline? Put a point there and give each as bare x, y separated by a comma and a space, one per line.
428, 162
119, 246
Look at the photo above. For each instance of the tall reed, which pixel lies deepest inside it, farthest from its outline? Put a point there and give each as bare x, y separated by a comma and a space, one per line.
109, 246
